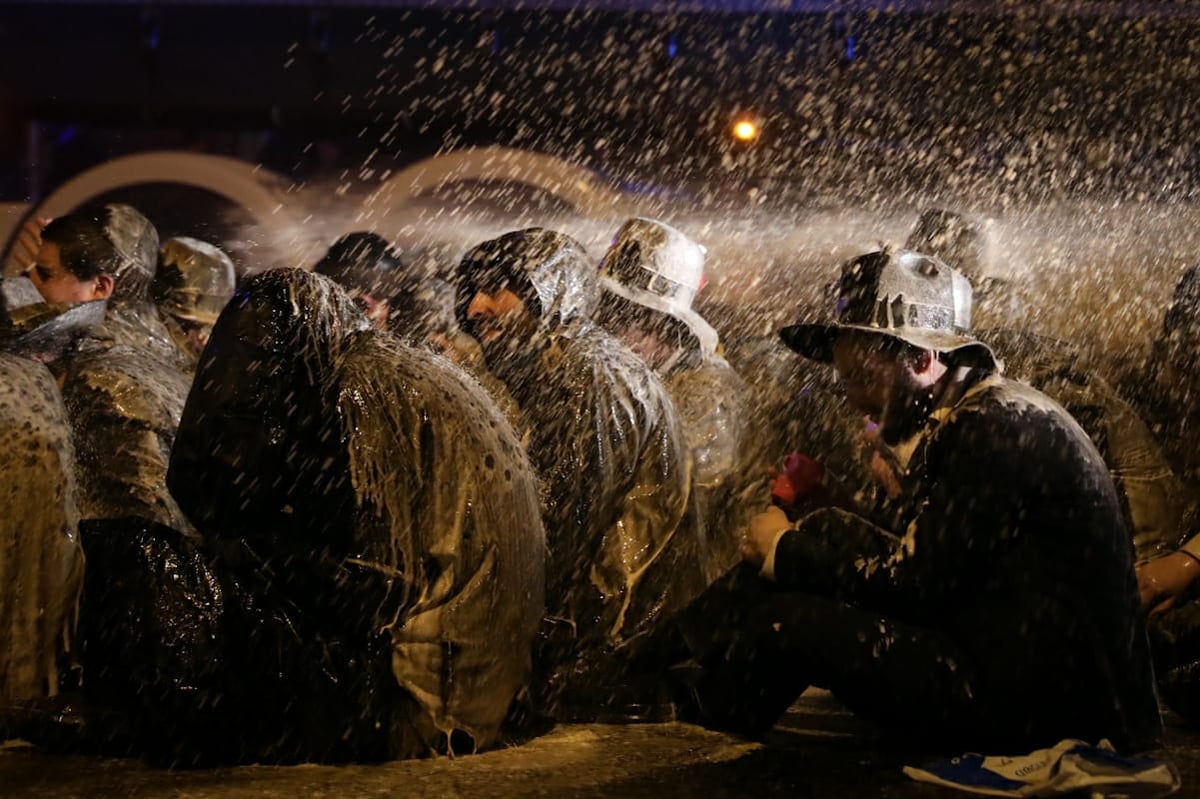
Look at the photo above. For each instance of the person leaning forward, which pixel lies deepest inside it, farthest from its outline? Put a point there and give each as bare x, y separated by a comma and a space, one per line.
999, 610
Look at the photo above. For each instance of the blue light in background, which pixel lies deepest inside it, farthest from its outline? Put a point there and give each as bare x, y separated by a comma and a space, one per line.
672, 47
850, 42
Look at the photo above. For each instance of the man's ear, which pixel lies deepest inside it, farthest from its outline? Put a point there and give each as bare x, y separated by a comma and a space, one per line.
103, 287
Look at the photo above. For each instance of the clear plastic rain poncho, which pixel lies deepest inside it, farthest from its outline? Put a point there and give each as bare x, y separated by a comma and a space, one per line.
625, 545
370, 495
650, 277
124, 404
133, 319
41, 563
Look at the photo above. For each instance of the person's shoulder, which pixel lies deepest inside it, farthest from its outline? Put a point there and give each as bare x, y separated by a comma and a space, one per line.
1004, 414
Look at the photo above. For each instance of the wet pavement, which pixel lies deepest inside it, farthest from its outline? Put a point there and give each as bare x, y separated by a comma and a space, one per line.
817, 750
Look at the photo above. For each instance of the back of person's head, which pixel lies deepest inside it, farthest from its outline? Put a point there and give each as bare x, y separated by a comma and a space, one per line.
115, 240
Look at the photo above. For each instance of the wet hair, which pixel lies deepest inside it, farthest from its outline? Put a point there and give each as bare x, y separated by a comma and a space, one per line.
83, 244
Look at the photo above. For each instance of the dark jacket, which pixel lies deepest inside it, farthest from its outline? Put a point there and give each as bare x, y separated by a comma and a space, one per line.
1155, 500
1011, 541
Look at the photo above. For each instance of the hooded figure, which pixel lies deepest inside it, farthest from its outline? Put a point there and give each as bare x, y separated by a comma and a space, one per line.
121, 383
375, 572
133, 319
997, 608
624, 544
649, 278
41, 563
192, 285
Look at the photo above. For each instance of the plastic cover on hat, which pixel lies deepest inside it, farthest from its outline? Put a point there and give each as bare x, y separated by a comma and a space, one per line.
195, 280
906, 295
656, 266
136, 243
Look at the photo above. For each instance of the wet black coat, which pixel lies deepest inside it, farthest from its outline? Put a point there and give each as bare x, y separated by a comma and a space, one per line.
1012, 542
373, 529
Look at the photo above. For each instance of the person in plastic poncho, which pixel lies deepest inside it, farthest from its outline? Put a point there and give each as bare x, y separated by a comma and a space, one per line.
649, 278
412, 302
369, 579
999, 608
41, 562
123, 397
624, 543
193, 282
1152, 495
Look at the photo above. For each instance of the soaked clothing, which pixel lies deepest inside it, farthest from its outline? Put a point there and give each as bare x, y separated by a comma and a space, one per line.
711, 401
625, 546
707, 393
41, 563
369, 582
124, 404
1154, 499
1001, 612
140, 326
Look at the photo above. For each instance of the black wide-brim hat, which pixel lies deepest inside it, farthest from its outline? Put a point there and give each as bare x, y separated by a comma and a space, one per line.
904, 295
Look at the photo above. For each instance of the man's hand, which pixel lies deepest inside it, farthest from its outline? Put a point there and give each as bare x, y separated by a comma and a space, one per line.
1162, 581
29, 242
760, 536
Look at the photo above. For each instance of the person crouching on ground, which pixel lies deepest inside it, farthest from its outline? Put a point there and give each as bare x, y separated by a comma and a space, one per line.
999, 610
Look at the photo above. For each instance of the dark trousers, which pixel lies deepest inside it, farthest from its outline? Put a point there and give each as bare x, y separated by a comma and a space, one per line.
752, 649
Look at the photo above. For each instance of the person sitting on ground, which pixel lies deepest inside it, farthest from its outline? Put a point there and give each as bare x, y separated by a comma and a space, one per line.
368, 577
998, 611
193, 282
123, 398
649, 278
624, 544
1168, 584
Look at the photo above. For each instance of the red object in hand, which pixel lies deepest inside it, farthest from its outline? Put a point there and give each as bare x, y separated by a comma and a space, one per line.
801, 475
